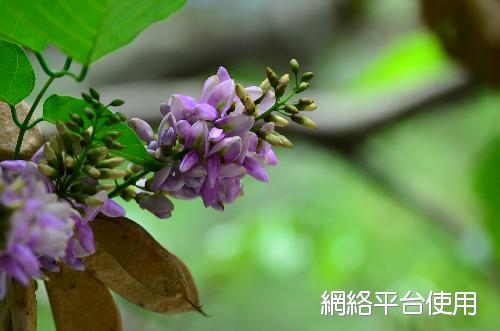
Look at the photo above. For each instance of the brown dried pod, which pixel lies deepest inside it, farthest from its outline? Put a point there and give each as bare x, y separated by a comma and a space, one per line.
134, 265
80, 302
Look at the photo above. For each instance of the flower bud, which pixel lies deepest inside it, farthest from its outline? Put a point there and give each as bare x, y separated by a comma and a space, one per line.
107, 173
305, 101
89, 113
285, 79
76, 118
94, 93
128, 194
280, 90
110, 163
249, 105
88, 98
278, 120
265, 86
304, 121
72, 126
61, 128
116, 145
47, 170
69, 162
92, 201
97, 153
49, 153
272, 77
117, 103
55, 144
92, 171
136, 168
142, 128
310, 107
294, 66
307, 76
302, 87
291, 109
240, 92
105, 187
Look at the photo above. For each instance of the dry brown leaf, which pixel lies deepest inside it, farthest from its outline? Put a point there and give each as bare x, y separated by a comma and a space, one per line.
131, 263
80, 302
18, 309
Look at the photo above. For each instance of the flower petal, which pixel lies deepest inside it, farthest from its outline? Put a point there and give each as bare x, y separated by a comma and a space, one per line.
255, 169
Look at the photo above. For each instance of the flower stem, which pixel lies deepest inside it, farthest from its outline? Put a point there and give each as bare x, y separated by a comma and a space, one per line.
26, 123
132, 180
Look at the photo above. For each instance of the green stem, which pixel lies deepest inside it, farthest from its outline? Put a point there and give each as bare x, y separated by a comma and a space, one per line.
65, 72
26, 123
132, 180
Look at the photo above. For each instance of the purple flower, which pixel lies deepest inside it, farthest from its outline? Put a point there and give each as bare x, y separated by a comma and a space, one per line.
36, 226
208, 145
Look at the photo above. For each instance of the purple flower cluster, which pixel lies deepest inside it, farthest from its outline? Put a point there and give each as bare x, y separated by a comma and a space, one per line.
209, 145
35, 227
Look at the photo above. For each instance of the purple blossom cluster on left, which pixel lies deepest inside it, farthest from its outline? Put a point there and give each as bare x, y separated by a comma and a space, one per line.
38, 229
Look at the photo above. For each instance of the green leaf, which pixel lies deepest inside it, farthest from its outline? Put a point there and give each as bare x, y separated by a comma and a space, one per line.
17, 78
12, 27
86, 30
488, 189
58, 108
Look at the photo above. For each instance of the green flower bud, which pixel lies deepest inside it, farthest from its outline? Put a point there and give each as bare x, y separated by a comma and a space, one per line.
307, 76
61, 128
91, 201
278, 120
105, 187
285, 79
97, 153
310, 107
240, 92
305, 101
48, 170
302, 87
110, 163
107, 173
265, 86
280, 90
117, 103
294, 66
94, 93
272, 77
55, 144
88, 98
136, 168
128, 194
304, 121
291, 109
69, 161
114, 134
72, 126
116, 145
92, 171
89, 113
49, 153
249, 105
76, 118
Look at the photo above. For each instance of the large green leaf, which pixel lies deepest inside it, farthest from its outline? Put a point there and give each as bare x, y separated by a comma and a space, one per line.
12, 27
87, 29
58, 108
17, 78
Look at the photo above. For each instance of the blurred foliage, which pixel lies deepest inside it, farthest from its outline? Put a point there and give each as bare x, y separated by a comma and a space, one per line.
488, 187
322, 224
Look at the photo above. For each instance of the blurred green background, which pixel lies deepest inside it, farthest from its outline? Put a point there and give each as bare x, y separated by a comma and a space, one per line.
398, 190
